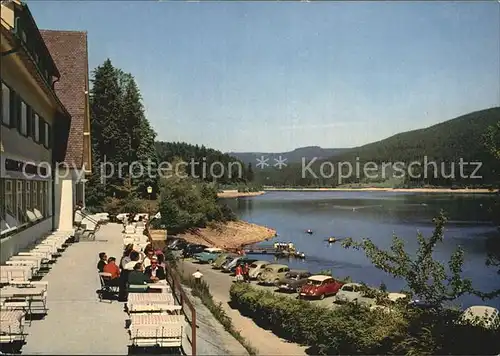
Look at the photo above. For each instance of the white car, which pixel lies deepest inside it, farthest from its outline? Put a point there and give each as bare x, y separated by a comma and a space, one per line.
226, 267
481, 315
257, 268
352, 293
392, 298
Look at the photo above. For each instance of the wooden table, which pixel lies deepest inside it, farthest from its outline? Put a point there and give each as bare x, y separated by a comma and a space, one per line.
151, 302
160, 286
26, 294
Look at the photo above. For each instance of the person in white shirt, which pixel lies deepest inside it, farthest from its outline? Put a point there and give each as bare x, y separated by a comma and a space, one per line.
197, 276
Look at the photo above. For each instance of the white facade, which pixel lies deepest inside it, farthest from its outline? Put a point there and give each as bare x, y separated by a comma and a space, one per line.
68, 192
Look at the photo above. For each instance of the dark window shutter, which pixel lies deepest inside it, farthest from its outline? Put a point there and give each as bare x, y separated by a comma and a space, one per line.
41, 130
49, 135
29, 121
14, 110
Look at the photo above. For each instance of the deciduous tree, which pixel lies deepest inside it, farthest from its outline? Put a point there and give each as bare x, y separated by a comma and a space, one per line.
425, 277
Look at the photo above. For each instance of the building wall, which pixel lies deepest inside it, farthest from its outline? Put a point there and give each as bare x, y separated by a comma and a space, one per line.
11, 245
13, 143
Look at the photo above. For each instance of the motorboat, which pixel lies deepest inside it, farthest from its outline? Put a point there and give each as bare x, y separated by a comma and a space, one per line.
309, 231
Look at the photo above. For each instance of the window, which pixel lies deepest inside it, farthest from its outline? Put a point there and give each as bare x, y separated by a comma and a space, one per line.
28, 196
36, 128
34, 195
23, 127
42, 198
5, 104
20, 202
9, 197
47, 135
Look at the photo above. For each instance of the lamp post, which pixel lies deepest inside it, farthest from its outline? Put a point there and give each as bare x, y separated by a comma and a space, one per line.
149, 190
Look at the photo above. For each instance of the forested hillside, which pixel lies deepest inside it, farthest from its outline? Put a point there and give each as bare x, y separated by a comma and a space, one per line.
294, 156
445, 143
205, 163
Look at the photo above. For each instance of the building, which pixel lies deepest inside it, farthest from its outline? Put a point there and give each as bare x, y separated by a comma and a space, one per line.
43, 130
70, 53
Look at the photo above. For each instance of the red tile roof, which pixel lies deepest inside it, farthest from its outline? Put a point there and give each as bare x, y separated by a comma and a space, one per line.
70, 53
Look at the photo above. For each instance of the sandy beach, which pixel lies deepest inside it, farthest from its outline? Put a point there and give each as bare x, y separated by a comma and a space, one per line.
232, 235
236, 194
406, 190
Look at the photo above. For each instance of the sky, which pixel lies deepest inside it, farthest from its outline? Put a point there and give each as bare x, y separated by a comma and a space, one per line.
274, 76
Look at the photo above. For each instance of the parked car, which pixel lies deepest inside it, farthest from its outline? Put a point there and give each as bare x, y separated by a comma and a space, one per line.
256, 268
320, 286
193, 249
273, 273
209, 255
177, 244
353, 293
485, 316
221, 259
293, 281
242, 262
390, 301
230, 265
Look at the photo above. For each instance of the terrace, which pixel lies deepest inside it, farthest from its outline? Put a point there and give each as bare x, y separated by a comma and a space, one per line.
77, 322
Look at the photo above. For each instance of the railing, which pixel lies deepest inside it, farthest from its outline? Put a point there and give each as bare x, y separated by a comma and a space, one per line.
188, 309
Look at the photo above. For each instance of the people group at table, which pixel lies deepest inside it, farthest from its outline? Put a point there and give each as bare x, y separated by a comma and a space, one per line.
133, 268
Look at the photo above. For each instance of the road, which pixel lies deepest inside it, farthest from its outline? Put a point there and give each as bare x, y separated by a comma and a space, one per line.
221, 282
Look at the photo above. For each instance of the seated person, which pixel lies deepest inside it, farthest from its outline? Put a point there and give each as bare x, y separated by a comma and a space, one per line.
149, 255
102, 261
134, 258
137, 276
113, 269
155, 272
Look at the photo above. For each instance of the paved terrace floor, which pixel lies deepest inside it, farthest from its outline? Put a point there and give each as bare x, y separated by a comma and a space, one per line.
77, 323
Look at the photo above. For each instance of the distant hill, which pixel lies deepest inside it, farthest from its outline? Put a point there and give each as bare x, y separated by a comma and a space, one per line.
294, 156
449, 141
461, 137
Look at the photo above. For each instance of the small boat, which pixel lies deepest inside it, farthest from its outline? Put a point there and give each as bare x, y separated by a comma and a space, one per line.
332, 240
309, 231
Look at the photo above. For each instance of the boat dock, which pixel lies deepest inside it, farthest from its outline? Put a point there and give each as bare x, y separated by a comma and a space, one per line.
273, 251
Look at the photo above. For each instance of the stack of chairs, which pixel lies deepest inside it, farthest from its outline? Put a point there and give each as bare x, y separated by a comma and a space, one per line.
22, 292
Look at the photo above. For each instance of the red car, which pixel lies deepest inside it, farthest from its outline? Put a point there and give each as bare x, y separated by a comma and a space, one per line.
320, 286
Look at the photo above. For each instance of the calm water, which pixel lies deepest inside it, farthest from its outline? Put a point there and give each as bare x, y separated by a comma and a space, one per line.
376, 216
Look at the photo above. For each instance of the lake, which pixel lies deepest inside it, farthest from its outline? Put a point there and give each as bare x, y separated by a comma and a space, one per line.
374, 215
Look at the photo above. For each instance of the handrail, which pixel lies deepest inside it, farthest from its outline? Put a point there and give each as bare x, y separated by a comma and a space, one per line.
174, 281
88, 217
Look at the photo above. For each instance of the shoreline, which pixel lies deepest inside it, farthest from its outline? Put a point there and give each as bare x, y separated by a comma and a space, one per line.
403, 190
235, 194
230, 236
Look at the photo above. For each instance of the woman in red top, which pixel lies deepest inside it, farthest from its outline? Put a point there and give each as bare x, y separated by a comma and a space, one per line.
238, 273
